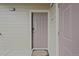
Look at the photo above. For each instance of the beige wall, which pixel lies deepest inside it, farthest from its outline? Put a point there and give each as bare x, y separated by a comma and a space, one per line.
52, 30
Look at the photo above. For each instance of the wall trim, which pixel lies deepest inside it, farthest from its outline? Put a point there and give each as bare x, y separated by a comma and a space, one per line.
57, 30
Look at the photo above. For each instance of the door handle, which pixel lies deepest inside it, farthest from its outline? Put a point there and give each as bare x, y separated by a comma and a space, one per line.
0, 33
32, 29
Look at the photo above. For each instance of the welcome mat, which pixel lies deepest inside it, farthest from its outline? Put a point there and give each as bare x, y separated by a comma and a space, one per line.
40, 52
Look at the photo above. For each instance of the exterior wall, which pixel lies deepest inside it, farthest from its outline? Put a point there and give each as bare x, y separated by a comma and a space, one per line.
23, 12
69, 35
21, 44
52, 31
75, 29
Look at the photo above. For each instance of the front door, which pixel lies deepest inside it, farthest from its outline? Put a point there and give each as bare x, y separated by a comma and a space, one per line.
40, 29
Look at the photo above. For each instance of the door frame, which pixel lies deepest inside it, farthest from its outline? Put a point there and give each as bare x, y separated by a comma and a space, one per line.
31, 11
57, 29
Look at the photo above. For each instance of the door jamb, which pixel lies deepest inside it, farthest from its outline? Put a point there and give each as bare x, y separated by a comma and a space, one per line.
31, 11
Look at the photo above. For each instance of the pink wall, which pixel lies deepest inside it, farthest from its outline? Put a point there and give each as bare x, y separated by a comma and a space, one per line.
69, 29
40, 33
75, 28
